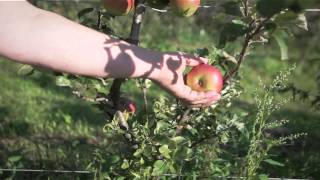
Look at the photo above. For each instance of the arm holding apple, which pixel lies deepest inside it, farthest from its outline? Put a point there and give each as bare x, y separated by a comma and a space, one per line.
33, 36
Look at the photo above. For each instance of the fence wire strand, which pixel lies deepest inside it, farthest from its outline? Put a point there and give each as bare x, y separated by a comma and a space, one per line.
164, 175
49, 171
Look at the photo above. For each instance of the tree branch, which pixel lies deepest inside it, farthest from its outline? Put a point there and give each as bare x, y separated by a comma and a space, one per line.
99, 20
245, 7
184, 119
133, 39
248, 37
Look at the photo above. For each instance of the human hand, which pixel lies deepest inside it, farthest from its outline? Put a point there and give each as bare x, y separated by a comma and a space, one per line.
171, 78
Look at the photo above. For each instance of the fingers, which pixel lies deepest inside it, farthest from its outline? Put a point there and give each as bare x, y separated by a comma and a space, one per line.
199, 99
191, 60
194, 61
207, 98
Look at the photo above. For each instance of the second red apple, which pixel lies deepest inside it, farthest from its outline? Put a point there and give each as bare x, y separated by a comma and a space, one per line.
184, 8
127, 105
118, 7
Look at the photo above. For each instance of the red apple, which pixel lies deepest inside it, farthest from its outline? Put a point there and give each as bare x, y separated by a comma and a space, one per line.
118, 7
184, 8
205, 78
127, 105
158, 4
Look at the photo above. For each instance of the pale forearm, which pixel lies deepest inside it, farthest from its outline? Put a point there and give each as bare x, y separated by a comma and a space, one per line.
33, 36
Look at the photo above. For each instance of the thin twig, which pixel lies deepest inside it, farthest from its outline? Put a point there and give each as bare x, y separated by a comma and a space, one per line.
184, 119
144, 89
248, 37
245, 7
240, 59
115, 92
199, 141
99, 20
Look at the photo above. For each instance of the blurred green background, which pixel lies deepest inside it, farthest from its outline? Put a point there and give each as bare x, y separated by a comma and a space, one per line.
46, 127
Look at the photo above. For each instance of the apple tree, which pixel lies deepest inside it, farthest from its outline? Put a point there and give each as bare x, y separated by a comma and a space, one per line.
165, 138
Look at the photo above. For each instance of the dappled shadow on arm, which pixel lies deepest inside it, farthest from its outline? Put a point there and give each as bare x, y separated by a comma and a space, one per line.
124, 64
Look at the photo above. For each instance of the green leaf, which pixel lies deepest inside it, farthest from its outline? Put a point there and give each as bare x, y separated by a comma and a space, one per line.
290, 19
136, 175
63, 81
164, 140
84, 12
141, 161
231, 32
90, 92
273, 162
263, 177
125, 164
184, 153
120, 178
161, 125
99, 87
159, 168
203, 52
138, 153
67, 118
232, 8
165, 151
14, 158
302, 22
147, 171
279, 37
148, 151
285, 18
172, 168
271, 26
25, 70
268, 8
115, 159
178, 139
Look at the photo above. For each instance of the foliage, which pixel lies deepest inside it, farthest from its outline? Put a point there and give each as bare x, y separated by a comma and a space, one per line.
170, 140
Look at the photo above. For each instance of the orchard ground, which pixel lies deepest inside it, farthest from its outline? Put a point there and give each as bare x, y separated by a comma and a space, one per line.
43, 126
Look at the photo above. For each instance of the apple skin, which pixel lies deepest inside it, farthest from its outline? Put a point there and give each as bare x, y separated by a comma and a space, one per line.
184, 8
118, 7
127, 105
158, 4
204, 78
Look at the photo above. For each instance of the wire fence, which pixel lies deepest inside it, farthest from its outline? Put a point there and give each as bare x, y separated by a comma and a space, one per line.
164, 175
47, 171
